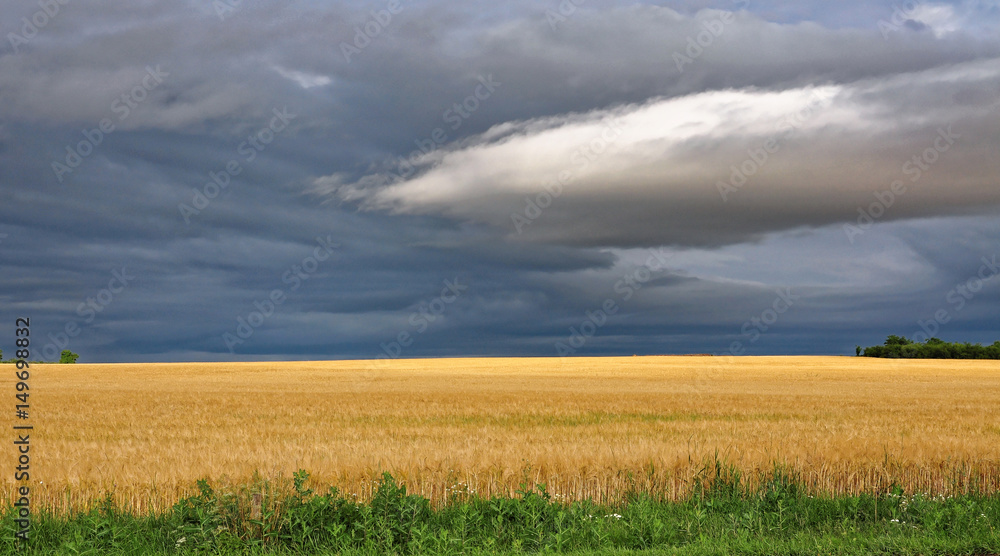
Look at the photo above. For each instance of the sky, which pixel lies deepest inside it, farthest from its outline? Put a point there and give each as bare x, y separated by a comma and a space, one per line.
231, 181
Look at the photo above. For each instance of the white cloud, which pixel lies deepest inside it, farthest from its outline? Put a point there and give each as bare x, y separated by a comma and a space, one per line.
516, 157
304, 80
940, 18
649, 173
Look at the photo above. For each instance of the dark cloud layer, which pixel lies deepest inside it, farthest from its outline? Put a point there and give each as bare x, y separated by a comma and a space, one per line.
125, 236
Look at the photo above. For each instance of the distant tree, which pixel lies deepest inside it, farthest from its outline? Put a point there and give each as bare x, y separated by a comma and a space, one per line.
857, 351
68, 356
897, 347
874, 351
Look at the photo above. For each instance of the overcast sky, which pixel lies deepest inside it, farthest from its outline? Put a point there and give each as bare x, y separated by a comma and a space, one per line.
201, 180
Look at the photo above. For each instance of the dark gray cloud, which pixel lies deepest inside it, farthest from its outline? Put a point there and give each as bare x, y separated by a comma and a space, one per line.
182, 93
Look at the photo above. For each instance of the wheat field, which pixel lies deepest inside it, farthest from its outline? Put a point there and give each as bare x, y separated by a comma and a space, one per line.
586, 427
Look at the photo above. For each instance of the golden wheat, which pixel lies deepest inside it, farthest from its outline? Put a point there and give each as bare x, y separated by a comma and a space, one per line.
587, 427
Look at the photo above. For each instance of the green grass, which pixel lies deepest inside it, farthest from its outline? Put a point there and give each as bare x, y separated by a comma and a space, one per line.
721, 516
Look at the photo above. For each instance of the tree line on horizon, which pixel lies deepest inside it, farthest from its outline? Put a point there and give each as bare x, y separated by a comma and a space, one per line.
901, 347
66, 357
